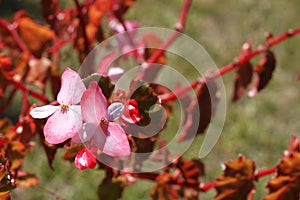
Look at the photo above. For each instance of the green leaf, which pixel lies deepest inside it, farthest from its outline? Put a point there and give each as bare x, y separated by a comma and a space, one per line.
104, 83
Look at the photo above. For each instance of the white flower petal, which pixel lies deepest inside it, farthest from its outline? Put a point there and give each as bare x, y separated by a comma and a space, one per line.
43, 111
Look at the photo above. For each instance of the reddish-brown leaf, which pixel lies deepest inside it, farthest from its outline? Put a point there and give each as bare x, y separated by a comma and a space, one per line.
72, 151
286, 183
264, 70
152, 43
5, 73
35, 36
7, 179
111, 187
15, 153
119, 7
25, 180
202, 108
162, 190
191, 170
237, 181
50, 150
294, 145
5, 195
50, 9
27, 130
208, 98
243, 77
243, 74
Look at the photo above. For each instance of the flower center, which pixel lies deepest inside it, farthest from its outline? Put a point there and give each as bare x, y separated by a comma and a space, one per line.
103, 121
64, 107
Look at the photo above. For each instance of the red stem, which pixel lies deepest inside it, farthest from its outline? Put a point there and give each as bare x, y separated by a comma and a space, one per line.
11, 29
265, 172
183, 16
83, 26
227, 68
178, 93
207, 186
30, 92
197, 186
179, 28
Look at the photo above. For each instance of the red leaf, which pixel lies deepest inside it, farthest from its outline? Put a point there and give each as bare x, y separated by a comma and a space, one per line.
237, 181
50, 150
162, 190
264, 69
207, 99
50, 9
5, 73
111, 187
25, 180
243, 74
35, 36
191, 170
152, 43
286, 184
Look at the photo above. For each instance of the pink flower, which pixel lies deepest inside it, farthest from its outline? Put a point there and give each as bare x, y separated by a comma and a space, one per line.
65, 120
100, 130
85, 159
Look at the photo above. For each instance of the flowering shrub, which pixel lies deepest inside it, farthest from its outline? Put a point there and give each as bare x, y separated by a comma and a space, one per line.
118, 130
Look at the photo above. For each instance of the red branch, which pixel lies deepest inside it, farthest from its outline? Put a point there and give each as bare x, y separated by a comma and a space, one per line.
83, 26
197, 186
30, 92
227, 68
179, 28
11, 29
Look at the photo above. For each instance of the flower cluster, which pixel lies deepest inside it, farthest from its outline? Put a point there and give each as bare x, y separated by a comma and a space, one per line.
84, 116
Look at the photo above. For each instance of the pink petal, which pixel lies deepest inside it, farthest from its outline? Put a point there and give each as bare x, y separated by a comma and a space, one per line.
113, 141
62, 126
71, 89
43, 111
104, 63
93, 104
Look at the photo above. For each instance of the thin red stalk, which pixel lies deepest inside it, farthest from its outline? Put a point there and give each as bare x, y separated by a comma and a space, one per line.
258, 51
265, 172
178, 93
121, 21
197, 186
207, 186
30, 92
179, 28
83, 26
11, 29
25, 106
227, 68
8, 101
148, 176
183, 16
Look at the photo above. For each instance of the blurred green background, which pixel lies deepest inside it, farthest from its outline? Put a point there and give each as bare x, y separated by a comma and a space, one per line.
259, 128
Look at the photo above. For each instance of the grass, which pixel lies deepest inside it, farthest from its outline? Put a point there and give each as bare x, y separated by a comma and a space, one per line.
259, 128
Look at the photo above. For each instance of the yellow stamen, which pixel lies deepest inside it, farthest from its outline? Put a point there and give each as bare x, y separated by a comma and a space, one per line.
64, 107
103, 121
